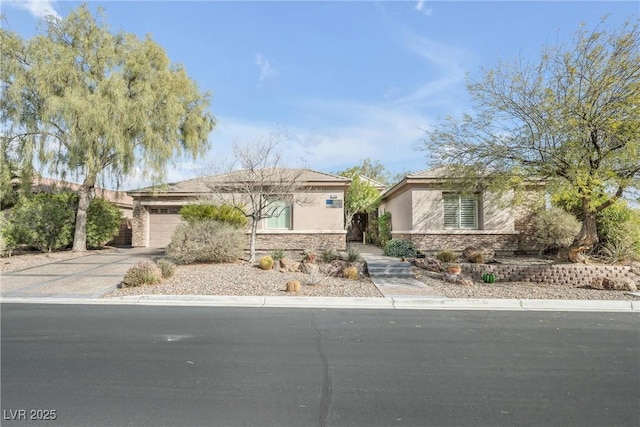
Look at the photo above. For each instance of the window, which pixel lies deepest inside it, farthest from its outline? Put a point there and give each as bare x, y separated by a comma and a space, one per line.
460, 212
280, 215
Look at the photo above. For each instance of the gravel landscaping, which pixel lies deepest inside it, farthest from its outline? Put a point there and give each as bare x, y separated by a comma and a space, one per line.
243, 279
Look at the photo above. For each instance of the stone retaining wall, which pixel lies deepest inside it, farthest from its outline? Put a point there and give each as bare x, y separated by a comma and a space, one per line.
553, 274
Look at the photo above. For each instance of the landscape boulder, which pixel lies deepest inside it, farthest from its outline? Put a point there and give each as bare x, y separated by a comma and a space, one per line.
459, 279
617, 284
430, 264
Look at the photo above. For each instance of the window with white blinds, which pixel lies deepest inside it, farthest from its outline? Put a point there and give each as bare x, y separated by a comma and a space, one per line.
460, 212
281, 215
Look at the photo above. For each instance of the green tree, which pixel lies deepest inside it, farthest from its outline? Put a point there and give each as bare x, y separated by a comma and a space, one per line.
571, 117
43, 221
103, 222
209, 211
362, 197
82, 100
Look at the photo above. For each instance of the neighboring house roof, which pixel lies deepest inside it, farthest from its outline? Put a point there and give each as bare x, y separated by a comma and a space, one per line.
433, 176
49, 185
195, 186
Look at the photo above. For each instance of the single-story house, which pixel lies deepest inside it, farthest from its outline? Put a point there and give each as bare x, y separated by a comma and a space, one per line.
426, 210
311, 216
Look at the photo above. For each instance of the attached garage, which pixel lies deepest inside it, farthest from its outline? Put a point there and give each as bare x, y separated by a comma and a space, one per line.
163, 221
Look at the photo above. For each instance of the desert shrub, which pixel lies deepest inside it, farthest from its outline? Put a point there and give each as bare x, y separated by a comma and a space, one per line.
42, 221
103, 222
620, 250
400, 248
308, 256
556, 228
211, 212
266, 262
142, 273
277, 254
446, 255
329, 255
206, 241
167, 268
476, 257
384, 228
352, 254
350, 272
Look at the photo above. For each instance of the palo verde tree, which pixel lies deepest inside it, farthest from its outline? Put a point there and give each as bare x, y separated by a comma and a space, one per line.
572, 117
89, 103
257, 184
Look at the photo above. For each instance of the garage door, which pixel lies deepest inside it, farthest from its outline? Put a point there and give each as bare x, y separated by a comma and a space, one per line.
162, 222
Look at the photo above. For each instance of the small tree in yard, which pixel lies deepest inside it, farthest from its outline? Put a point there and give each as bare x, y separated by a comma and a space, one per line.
572, 118
361, 196
84, 101
259, 188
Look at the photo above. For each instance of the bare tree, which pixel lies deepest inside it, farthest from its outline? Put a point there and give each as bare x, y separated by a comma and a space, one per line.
258, 185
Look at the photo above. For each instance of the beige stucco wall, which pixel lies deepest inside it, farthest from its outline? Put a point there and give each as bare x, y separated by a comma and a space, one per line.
309, 215
497, 214
310, 211
428, 208
399, 207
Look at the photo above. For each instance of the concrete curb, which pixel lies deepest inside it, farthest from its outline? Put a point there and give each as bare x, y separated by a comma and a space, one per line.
397, 303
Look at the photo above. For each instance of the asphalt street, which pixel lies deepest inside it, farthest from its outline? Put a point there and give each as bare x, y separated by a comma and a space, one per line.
90, 365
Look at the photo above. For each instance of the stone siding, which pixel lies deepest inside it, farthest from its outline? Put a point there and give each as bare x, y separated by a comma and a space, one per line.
501, 243
299, 241
139, 226
552, 274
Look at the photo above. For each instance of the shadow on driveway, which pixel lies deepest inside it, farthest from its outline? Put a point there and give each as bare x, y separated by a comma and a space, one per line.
88, 276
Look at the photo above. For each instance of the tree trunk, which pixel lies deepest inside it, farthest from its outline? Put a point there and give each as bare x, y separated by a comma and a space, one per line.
586, 238
85, 194
252, 241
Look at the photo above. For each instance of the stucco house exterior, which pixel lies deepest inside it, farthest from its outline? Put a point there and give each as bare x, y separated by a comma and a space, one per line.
311, 216
427, 211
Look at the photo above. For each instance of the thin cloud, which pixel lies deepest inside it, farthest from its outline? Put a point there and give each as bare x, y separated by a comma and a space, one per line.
38, 8
420, 7
266, 69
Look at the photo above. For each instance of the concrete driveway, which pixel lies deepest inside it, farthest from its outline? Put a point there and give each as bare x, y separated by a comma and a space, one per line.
89, 276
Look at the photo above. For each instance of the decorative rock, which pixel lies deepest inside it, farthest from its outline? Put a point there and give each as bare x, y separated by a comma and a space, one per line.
479, 255
286, 265
308, 268
459, 279
430, 264
293, 286
618, 284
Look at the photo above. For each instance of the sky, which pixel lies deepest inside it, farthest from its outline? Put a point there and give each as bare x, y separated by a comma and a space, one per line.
345, 80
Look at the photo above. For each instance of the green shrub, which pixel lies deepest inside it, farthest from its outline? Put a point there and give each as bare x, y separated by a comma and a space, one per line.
42, 221
277, 254
400, 248
266, 262
167, 268
446, 256
208, 212
329, 255
103, 222
206, 241
556, 228
352, 254
384, 228
142, 273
